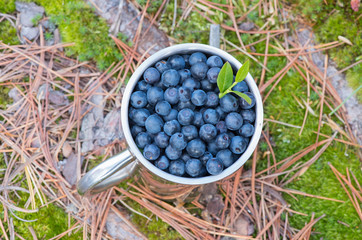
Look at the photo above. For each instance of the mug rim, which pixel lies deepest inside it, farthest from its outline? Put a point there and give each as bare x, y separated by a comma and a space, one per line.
184, 49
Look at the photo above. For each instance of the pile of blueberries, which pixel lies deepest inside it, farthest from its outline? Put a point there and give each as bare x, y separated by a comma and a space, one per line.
179, 123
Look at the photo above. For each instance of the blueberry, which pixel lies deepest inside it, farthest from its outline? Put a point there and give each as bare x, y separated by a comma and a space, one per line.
193, 167
211, 116
184, 74
222, 141
162, 66
190, 132
199, 70
185, 157
162, 163
188, 104
154, 94
196, 148
212, 74
238, 145
177, 168
185, 116
171, 116
191, 84
226, 157
161, 140
198, 98
143, 139
186, 59
172, 153
214, 61
197, 57
184, 94
221, 112
150, 108
248, 115
154, 124
212, 148
241, 87
151, 152
229, 103
206, 85
140, 116
163, 108
221, 127
244, 104
198, 120
204, 158
203, 171
170, 78
234, 121
142, 86
151, 75
214, 166
171, 95
247, 130
212, 99
207, 132
171, 127
178, 141
177, 62
135, 130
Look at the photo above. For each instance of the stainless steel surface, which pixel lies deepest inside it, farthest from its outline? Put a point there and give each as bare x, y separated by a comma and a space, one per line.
185, 49
108, 173
214, 37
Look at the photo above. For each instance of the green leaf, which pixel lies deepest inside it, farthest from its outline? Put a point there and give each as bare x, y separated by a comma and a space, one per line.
221, 95
242, 72
243, 95
225, 78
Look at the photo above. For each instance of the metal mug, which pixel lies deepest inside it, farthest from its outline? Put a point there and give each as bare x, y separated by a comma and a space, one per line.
117, 168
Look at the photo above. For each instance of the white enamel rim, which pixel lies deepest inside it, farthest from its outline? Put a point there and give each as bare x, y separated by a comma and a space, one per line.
186, 49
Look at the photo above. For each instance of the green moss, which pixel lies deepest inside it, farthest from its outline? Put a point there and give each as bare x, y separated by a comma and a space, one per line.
7, 6
354, 78
8, 33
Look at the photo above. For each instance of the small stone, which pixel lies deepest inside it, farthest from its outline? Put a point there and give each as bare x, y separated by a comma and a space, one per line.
215, 206
119, 229
87, 133
70, 169
14, 93
27, 18
42, 91
58, 98
247, 26
243, 226
29, 33
49, 25
67, 149
23, 6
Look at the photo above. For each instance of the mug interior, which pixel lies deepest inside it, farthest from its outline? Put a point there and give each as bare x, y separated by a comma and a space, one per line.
163, 54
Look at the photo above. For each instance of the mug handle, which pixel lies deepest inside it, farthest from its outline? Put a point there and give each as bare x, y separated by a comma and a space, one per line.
108, 173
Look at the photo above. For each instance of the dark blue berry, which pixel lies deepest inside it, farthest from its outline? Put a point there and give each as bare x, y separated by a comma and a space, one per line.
221, 127
212, 99
206, 85
151, 152
247, 130
196, 148
184, 74
193, 167
177, 62
241, 87
151, 75
170, 78
221, 112
163, 108
214, 166
140, 116
214, 61
171, 95
154, 94
162, 66
171, 127
197, 57
211, 116
135, 130
229, 103
198, 98
178, 141
198, 120
186, 59
248, 116
154, 124
244, 104
185, 116
184, 94
233, 121
204, 158
226, 157
222, 141
203, 171
212, 148
177, 168
188, 104
191, 84
207, 132
212, 74
162, 163
190, 132
199, 70
161, 140
171, 116
238, 145
172, 153
142, 86
143, 139
185, 157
